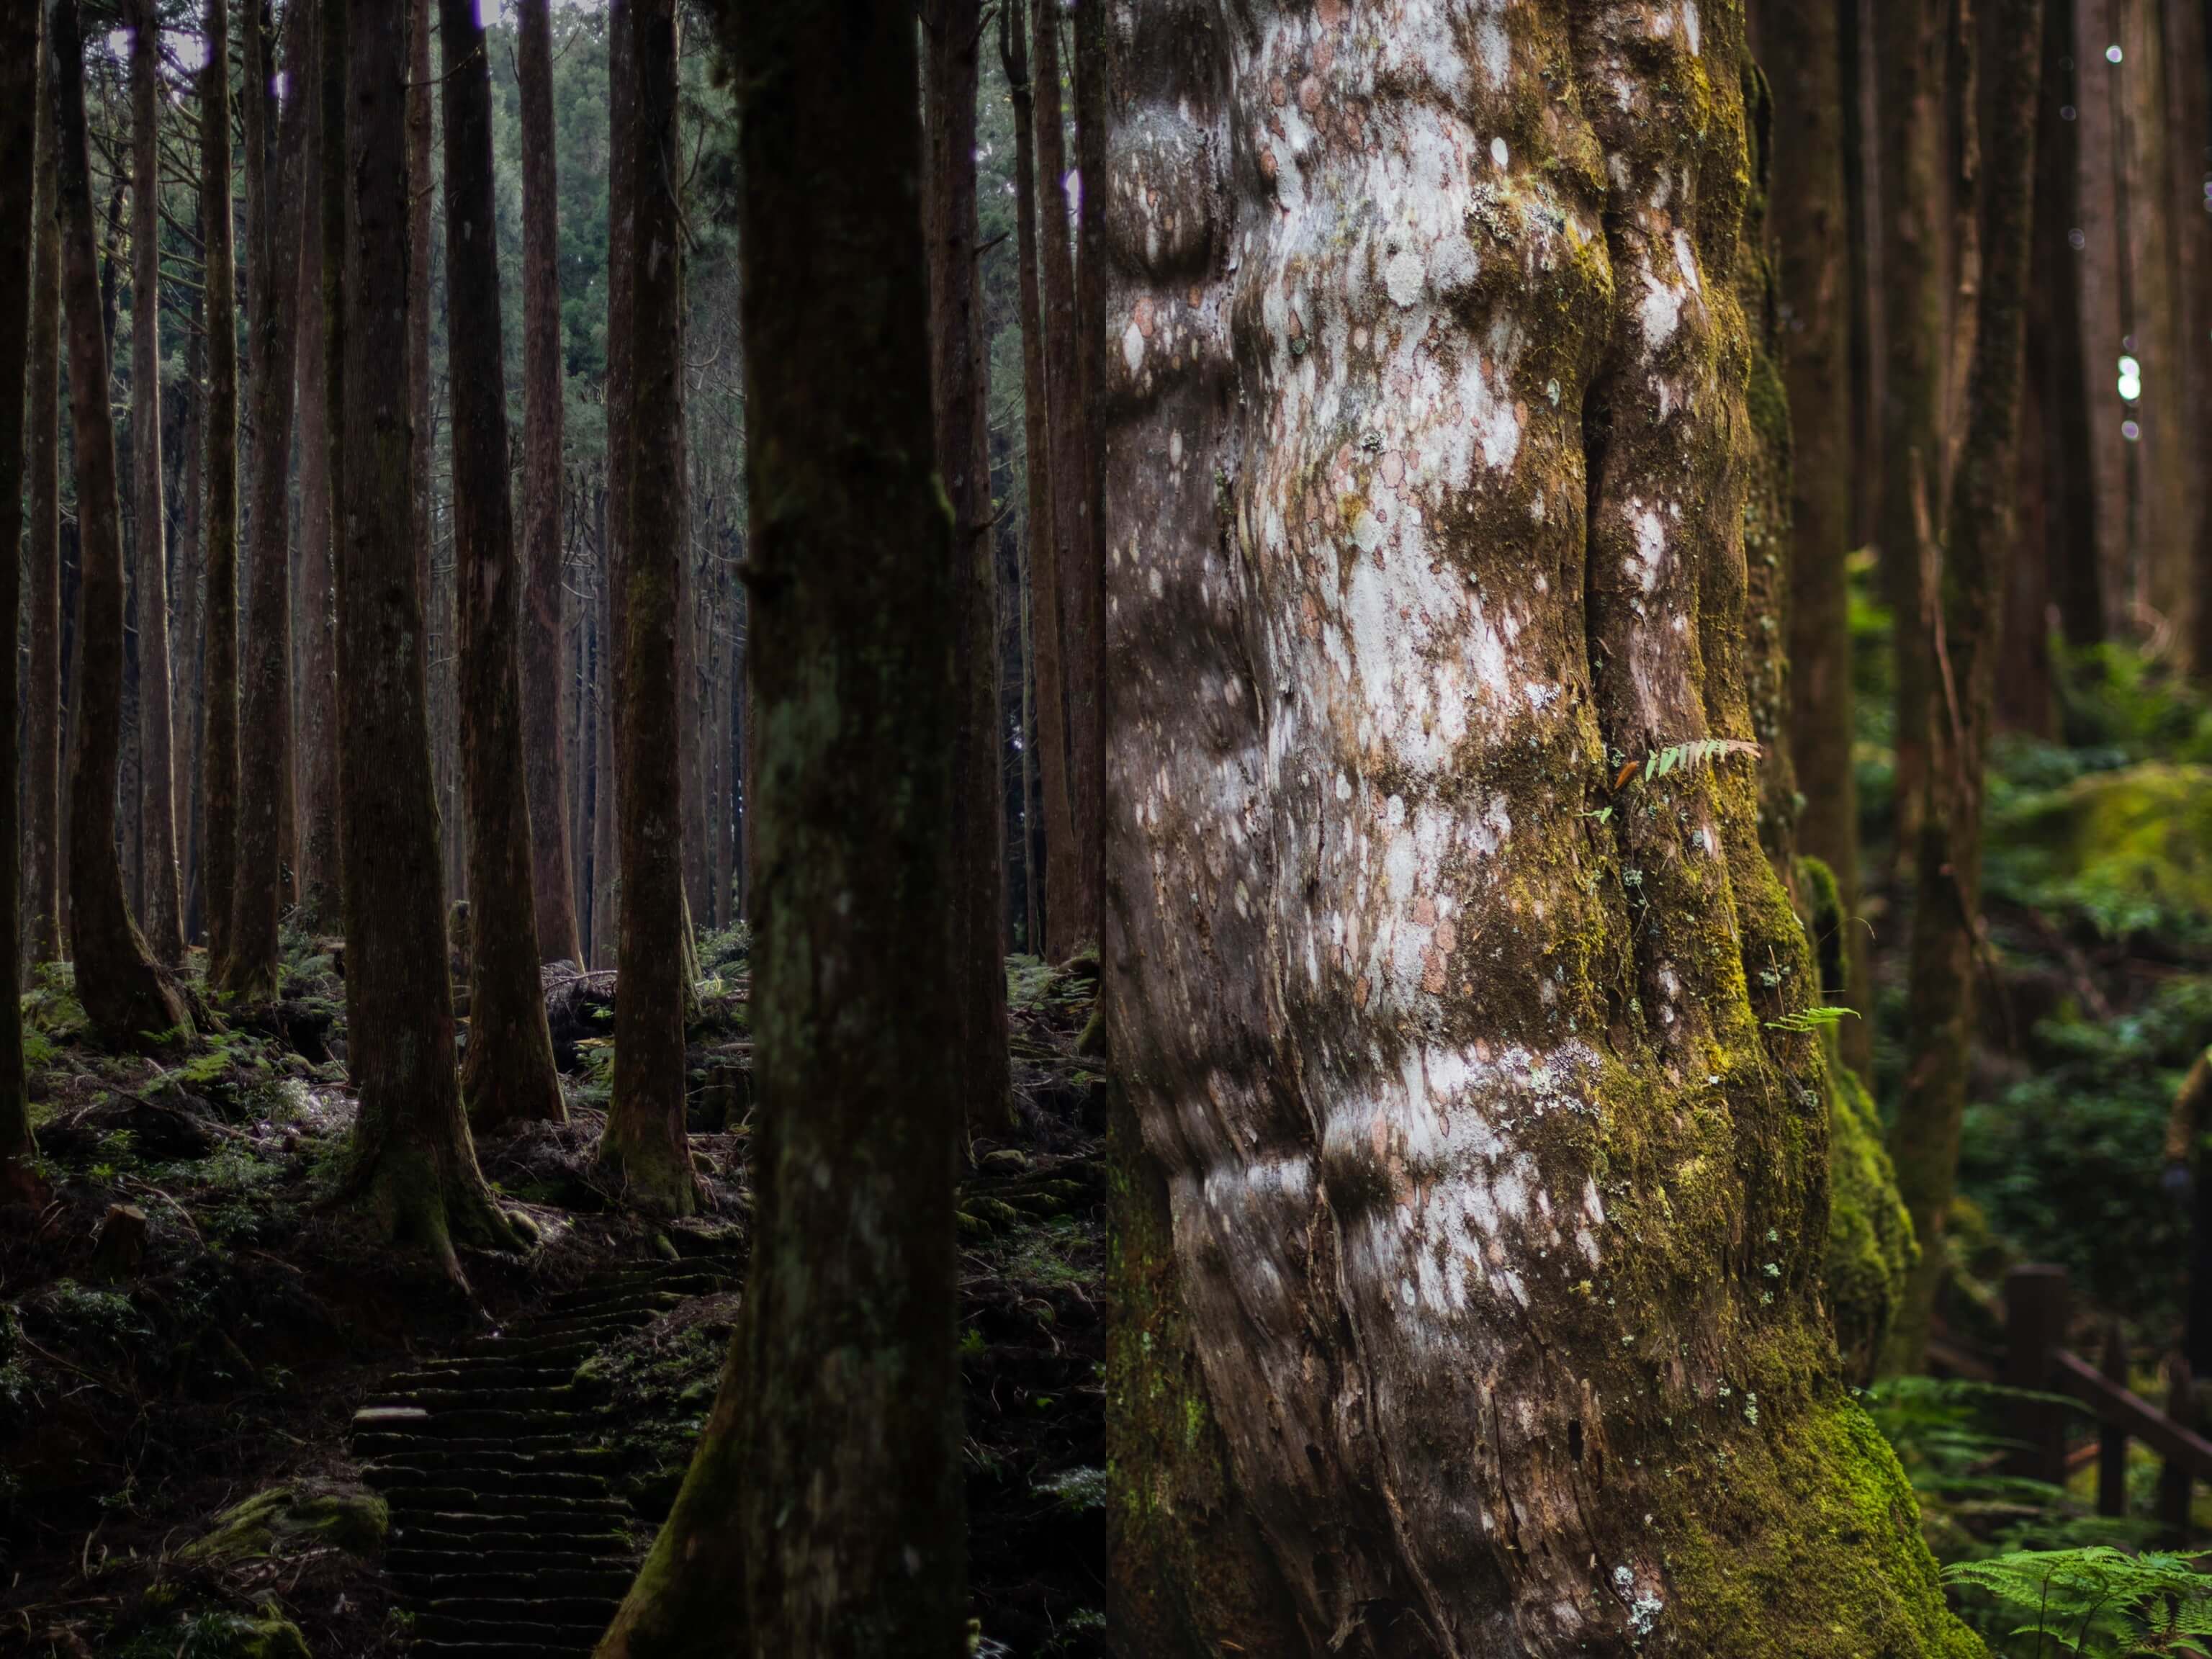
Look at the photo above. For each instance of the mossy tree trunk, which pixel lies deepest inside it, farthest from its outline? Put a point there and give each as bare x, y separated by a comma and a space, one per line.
509, 1073
157, 804
646, 1143
42, 758
829, 1474
1946, 910
128, 997
1473, 1191
414, 1167
19, 171
219, 616
274, 146
544, 671
959, 374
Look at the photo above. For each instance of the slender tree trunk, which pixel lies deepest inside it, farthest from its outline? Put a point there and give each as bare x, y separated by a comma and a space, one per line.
542, 478
190, 620
1063, 903
157, 805
1910, 55
605, 907
19, 175
847, 1360
2069, 456
1072, 917
414, 1166
508, 1072
646, 1143
1946, 918
959, 369
2187, 53
1460, 1111
1086, 582
322, 241
1801, 51
219, 755
131, 1002
42, 761
622, 139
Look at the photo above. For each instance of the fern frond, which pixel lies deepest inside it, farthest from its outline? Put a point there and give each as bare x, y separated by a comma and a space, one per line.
1807, 1021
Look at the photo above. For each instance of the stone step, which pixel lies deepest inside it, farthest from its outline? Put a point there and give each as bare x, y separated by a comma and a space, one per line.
593, 1612
489, 1372
551, 1556
474, 1423
539, 1636
488, 1483
380, 1444
560, 1396
540, 1587
521, 1512
495, 1534
430, 1455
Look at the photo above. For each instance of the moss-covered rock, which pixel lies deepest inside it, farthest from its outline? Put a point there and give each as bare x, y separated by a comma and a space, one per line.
233, 1635
2130, 847
342, 1517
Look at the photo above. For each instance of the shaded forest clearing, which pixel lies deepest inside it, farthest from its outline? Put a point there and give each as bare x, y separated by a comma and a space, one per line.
237, 1427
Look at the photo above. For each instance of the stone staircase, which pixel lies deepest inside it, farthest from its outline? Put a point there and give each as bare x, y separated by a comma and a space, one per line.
507, 1537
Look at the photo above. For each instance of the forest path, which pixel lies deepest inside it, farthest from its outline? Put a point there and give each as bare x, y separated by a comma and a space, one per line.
507, 1536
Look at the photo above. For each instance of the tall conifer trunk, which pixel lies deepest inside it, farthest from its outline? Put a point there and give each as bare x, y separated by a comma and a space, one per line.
543, 670
621, 140
42, 761
318, 690
219, 691
130, 1000
509, 1070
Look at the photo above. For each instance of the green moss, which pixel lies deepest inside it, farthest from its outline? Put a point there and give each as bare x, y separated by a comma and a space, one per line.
281, 1518
1871, 1248
2131, 848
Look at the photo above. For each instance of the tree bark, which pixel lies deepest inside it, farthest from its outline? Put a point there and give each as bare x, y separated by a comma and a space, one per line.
509, 1073
622, 137
1091, 702
322, 246
19, 175
219, 692
1946, 913
846, 1359
128, 999
273, 148
646, 1143
42, 762
960, 367
157, 805
1062, 872
414, 1169
1467, 1156
553, 883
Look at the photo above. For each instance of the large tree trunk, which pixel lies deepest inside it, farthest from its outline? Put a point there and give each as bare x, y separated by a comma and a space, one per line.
1801, 51
509, 1073
1063, 884
219, 692
265, 755
847, 1360
42, 760
552, 883
960, 367
322, 244
414, 1166
129, 999
1474, 1189
1946, 917
646, 1143
19, 174
157, 805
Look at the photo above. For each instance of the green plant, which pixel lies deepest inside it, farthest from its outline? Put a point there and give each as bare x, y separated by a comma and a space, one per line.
1685, 757
1811, 1021
2097, 1602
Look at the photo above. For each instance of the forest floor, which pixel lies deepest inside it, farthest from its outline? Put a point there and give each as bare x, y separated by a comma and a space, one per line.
190, 1326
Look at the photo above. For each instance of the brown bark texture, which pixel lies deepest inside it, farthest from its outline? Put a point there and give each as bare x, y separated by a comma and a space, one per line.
219, 688
322, 233
508, 1072
645, 1142
274, 147
621, 140
42, 758
1979, 544
543, 676
130, 1000
414, 1169
1472, 1185
157, 804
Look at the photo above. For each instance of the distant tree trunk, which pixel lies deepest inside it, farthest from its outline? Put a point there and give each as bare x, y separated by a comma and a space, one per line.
2188, 57
543, 476
646, 1143
129, 999
1801, 50
190, 620
414, 1167
960, 367
422, 96
508, 1072
1091, 704
621, 140
846, 1359
219, 691
19, 173
1466, 1155
322, 246
157, 807
1073, 917
1911, 56
1946, 917
606, 909
42, 763
1063, 886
